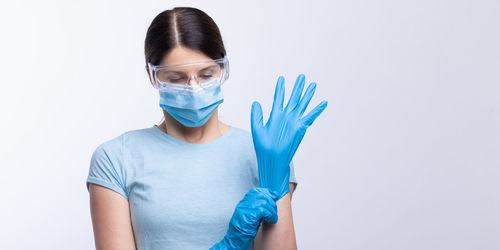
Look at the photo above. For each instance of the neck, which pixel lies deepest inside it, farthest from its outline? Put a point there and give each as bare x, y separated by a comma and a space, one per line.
209, 131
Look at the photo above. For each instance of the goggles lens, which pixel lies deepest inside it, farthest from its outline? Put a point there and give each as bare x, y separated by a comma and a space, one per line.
180, 75
189, 74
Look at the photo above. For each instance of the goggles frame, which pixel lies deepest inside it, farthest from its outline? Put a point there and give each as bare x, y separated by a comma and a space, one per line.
153, 70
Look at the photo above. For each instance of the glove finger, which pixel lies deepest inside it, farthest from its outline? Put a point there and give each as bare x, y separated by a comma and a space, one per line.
307, 98
279, 95
270, 198
270, 211
274, 195
311, 116
256, 115
296, 92
269, 204
266, 193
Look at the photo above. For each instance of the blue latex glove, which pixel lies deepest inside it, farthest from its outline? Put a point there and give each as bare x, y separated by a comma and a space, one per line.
276, 142
258, 204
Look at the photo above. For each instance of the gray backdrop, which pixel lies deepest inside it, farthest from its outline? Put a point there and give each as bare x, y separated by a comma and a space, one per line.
406, 155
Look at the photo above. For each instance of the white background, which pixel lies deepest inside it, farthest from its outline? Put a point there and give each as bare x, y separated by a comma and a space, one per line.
405, 156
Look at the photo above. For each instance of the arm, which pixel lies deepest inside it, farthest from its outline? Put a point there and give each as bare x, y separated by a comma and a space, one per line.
110, 219
282, 234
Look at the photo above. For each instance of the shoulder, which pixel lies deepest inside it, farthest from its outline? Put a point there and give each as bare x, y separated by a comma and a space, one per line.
241, 134
138, 135
114, 145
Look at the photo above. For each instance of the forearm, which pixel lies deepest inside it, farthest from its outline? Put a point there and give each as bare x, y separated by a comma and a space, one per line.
282, 234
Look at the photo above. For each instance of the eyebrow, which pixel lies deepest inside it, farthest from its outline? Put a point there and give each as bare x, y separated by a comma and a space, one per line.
211, 66
182, 72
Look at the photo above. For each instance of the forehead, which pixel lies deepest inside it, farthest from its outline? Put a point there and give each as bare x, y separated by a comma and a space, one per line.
179, 55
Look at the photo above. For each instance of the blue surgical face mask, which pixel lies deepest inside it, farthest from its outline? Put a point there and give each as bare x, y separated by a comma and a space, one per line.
192, 106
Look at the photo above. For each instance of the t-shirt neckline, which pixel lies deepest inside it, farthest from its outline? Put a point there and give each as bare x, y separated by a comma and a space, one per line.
168, 137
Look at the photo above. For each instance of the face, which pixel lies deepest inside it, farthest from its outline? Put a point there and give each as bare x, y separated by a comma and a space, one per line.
181, 74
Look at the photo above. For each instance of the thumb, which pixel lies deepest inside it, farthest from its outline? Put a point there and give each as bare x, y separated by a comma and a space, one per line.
256, 115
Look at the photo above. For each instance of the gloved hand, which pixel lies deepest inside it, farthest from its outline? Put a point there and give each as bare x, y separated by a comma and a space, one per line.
276, 142
258, 204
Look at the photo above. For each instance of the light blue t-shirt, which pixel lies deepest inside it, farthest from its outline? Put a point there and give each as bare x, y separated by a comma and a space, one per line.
181, 195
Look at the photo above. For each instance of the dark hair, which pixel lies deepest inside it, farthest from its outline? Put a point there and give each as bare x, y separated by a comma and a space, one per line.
182, 26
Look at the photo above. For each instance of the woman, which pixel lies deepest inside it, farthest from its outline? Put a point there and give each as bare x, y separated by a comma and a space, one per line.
193, 182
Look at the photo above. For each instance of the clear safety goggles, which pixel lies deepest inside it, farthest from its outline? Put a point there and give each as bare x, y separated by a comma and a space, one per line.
177, 77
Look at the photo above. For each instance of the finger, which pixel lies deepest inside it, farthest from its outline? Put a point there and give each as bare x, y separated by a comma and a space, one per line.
269, 196
274, 195
256, 115
307, 98
270, 213
296, 92
279, 95
270, 209
309, 118
261, 200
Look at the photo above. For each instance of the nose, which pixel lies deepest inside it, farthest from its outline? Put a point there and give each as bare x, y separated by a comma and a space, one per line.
192, 81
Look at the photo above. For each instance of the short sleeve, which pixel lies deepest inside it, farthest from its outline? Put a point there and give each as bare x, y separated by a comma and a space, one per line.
292, 176
106, 167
